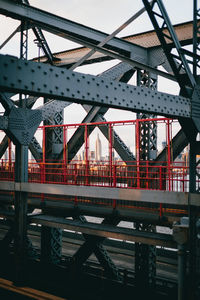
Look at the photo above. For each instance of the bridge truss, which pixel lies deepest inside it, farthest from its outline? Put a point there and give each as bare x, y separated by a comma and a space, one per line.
52, 77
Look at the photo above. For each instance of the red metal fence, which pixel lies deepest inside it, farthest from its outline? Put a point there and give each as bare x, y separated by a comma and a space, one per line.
168, 175
136, 175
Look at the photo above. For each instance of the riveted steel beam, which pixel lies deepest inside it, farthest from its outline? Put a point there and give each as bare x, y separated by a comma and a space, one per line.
147, 39
65, 28
116, 48
3, 122
53, 82
161, 22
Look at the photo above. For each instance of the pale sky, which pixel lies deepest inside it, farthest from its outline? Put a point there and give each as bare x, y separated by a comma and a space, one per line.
104, 15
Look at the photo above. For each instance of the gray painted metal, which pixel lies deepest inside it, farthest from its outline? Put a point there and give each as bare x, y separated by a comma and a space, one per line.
147, 39
127, 52
67, 208
52, 82
179, 198
107, 231
22, 124
3, 122
161, 21
69, 29
94, 244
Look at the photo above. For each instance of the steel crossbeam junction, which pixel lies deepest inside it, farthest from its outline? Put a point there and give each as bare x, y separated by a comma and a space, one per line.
54, 77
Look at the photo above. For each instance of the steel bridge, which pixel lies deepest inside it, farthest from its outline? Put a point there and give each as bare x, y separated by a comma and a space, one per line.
54, 194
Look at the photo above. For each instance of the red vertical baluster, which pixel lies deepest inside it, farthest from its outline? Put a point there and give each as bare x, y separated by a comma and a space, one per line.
86, 155
138, 152
110, 152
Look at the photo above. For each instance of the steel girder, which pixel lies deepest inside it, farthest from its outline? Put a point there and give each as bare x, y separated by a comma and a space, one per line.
194, 241
145, 262
145, 255
65, 28
95, 244
147, 131
186, 80
41, 39
123, 73
147, 39
116, 48
52, 82
161, 22
51, 245
196, 33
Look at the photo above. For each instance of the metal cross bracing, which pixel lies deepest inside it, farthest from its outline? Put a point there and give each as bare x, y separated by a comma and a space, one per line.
196, 34
50, 137
145, 255
148, 131
116, 48
187, 81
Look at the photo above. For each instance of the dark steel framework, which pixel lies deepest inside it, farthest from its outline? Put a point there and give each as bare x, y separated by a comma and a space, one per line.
97, 94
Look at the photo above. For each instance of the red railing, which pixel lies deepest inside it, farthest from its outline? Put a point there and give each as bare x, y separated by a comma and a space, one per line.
135, 175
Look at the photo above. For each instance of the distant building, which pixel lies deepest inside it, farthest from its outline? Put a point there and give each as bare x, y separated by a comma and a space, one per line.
98, 149
92, 155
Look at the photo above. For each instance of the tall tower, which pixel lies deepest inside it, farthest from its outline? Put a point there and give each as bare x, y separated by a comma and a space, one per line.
98, 148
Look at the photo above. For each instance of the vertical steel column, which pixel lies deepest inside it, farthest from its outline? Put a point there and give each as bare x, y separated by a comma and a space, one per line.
196, 35
148, 131
146, 142
21, 175
181, 271
194, 242
51, 238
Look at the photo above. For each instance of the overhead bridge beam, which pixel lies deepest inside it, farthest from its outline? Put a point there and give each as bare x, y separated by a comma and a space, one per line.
66, 28
115, 48
42, 80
